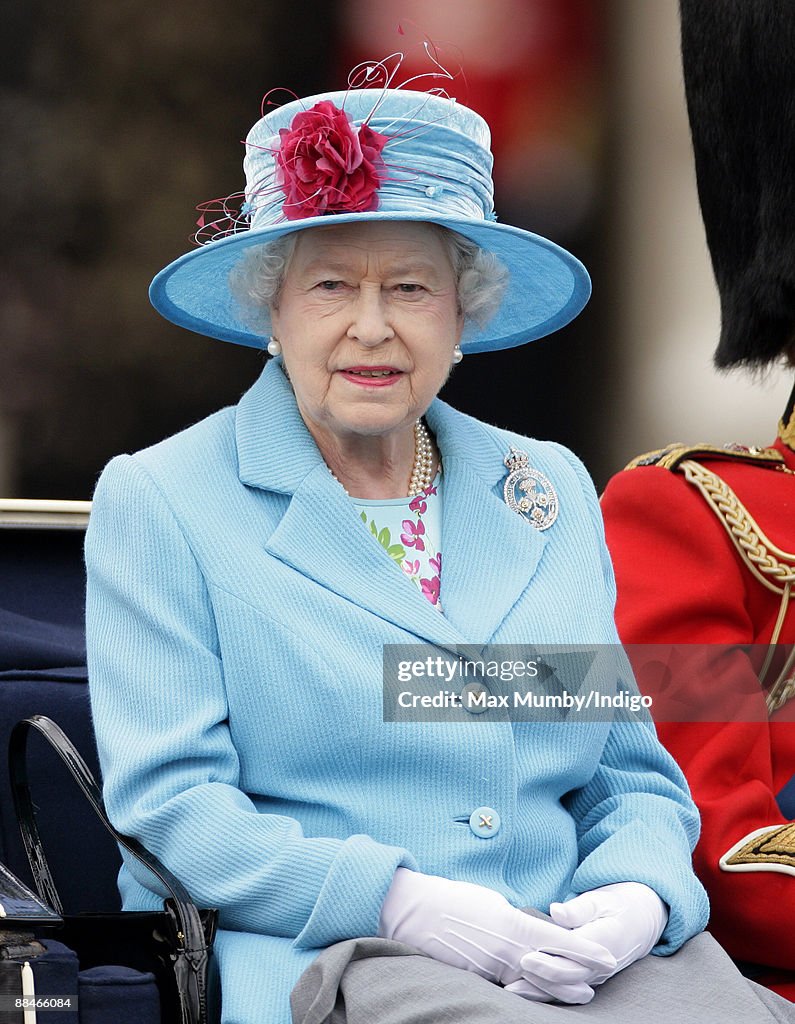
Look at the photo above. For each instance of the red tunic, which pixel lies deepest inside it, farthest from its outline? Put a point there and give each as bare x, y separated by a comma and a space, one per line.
681, 580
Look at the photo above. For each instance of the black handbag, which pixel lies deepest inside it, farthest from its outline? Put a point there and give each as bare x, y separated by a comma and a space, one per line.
174, 943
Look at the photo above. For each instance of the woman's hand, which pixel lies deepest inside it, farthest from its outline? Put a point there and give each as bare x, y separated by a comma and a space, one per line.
476, 929
626, 918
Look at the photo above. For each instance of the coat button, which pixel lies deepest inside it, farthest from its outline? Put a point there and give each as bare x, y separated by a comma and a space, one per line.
484, 822
471, 691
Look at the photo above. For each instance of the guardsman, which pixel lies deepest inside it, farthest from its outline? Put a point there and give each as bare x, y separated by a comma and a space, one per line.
703, 538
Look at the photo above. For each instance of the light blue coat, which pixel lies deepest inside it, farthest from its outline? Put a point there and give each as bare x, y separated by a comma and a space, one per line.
237, 610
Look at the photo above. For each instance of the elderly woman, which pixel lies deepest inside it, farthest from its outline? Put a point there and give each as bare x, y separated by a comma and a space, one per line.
246, 575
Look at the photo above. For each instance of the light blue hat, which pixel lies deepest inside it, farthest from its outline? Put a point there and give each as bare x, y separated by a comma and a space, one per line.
374, 155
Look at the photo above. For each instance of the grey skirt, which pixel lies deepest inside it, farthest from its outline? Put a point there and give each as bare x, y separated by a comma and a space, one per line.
377, 981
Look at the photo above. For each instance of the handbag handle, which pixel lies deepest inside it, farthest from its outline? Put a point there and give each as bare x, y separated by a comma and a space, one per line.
192, 945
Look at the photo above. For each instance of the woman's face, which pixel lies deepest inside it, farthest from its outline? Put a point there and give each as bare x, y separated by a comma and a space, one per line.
367, 319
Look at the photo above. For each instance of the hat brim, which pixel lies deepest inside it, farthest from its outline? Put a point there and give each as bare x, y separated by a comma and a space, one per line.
547, 287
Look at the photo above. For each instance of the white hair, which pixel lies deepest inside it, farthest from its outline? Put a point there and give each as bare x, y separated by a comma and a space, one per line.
257, 279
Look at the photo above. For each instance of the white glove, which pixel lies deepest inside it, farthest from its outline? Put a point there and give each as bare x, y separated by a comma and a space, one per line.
627, 918
476, 929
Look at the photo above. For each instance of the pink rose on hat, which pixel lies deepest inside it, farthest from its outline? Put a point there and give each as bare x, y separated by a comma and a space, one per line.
325, 164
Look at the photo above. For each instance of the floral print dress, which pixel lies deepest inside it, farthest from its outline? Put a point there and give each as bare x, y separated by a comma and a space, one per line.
410, 531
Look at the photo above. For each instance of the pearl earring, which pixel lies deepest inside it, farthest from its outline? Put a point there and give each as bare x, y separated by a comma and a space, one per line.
274, 347
458, 355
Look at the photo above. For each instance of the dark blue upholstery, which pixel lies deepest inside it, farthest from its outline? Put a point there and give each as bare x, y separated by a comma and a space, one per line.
42, 671
118, 994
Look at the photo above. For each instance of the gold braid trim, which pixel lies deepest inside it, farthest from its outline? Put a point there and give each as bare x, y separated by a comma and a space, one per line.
764, 849
673, 455
773, 567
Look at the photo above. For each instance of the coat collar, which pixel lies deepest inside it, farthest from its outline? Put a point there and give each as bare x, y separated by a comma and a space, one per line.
275, 451
320, 534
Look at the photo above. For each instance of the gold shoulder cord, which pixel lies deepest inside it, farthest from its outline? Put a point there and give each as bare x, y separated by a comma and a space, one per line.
773, 567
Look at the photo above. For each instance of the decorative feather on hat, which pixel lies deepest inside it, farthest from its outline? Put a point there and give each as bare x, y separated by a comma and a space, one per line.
738, 58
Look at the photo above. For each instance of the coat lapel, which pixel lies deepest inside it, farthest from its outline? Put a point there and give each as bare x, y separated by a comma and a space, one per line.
320, 534
489, 552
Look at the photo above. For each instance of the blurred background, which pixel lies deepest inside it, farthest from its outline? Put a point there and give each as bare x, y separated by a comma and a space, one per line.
120, 116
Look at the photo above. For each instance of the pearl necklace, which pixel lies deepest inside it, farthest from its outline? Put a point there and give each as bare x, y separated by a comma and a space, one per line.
422, 470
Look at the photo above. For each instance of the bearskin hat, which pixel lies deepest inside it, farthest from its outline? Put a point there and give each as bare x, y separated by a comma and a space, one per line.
739, 70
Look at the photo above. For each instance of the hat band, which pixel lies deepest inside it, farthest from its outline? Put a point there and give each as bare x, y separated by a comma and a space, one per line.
415, 199
442, 174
